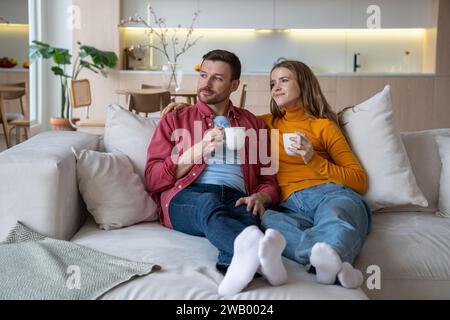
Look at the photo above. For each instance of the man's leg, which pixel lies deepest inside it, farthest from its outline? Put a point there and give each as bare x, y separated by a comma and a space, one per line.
200, 210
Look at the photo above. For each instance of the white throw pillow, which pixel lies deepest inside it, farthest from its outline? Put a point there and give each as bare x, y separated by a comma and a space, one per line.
112, 191
444, 189
130, 134
371, 132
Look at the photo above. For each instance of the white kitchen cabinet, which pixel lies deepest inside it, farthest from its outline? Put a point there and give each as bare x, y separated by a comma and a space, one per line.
175, 12
299, 14
286, 14
394, 13
14, 11
237, 14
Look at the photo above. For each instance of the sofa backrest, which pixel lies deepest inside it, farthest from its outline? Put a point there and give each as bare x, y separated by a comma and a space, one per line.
424, 157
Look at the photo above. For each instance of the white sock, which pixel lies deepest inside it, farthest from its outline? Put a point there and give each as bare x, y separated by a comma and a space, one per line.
245, 262
270, 250
326, 261
350, 277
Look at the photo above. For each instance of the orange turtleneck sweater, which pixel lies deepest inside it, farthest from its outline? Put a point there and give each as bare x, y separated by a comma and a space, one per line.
333, 160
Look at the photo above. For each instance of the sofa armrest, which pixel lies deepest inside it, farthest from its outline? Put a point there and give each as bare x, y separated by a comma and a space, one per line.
38, 184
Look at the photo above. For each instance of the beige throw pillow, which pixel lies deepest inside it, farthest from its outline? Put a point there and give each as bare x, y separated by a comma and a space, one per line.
371, 131
114, 194
130, 134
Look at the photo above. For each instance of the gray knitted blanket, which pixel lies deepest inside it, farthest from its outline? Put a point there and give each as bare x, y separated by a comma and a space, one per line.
35, 267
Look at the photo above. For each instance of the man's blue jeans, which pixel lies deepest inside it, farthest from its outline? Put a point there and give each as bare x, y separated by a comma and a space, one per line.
209, 210
330, 213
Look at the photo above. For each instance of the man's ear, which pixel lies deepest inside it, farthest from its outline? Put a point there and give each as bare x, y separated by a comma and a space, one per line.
235, 85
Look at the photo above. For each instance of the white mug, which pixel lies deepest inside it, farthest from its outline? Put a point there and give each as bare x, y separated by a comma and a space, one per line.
288, 143
235, 137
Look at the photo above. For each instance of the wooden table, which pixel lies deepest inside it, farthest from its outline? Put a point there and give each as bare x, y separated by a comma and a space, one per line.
190, 95
3, 117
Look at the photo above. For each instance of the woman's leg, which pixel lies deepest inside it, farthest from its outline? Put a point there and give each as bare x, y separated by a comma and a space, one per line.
291, 221
341, 222
330, 214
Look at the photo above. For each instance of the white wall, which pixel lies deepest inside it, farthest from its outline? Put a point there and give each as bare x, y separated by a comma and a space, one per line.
56, 32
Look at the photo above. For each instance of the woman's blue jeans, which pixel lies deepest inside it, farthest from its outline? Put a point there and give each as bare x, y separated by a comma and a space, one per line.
330, 213
209, 210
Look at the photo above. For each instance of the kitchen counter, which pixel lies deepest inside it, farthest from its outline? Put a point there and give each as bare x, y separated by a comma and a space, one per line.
14, 70
330, 74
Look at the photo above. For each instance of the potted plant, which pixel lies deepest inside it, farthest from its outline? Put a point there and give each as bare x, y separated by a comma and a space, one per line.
87, 58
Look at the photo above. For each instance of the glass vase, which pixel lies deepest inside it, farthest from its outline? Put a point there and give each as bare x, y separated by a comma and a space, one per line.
173, 75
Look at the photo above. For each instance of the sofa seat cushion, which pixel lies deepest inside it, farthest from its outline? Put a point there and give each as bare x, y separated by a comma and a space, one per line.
413, 253
188, 267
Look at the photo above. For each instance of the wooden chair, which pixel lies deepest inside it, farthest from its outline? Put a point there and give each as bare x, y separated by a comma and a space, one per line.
15, 120
243, 96
148, 102
80, 97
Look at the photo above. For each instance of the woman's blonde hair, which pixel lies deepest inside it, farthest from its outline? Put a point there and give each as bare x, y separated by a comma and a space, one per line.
311, 97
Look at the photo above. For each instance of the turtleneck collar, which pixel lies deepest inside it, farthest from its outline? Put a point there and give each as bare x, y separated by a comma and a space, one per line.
295, 114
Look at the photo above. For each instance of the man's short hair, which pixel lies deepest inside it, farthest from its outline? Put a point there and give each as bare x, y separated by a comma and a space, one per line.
228, 57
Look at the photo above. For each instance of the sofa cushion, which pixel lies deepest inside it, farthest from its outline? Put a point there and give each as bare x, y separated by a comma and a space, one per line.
444, 186
112, 191
188, 267
130, 134
376, 141
411, 250
425, 161
40, 184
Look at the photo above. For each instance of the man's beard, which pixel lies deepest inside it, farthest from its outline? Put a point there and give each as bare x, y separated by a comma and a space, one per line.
212, 99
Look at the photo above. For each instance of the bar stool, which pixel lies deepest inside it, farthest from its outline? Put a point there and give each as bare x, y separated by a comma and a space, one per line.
13, 91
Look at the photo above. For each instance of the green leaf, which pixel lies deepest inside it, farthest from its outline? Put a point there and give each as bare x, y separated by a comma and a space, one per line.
59, 72
89, 66
62, 56
40, 50
100, 58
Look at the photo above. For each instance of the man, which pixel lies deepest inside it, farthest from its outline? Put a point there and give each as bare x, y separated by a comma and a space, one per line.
200, 196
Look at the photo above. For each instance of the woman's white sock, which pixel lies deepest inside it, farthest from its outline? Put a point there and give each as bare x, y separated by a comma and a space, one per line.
326, 261
350, 277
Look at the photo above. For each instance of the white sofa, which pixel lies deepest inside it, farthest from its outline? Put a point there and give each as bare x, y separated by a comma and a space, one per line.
411, 248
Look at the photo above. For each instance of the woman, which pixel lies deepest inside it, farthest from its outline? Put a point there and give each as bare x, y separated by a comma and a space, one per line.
321, 215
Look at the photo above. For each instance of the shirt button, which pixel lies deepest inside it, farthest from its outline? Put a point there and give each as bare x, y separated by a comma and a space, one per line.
209, 124
193, 174
179, 187
167, 205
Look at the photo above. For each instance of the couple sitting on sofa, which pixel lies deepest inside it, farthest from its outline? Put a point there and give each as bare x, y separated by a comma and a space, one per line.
318, 219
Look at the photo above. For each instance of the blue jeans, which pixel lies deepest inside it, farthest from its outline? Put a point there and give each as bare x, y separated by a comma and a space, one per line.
208, 210
330, 213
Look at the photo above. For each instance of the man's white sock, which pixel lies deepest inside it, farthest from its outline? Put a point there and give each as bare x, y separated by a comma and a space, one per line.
350, 277
270, 250
326, 261
245, 261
